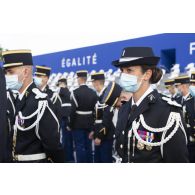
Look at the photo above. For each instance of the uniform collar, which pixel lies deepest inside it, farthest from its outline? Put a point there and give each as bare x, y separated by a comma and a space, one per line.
21, 95
147, 92
149, 99
186, 97
44, 88
82, 85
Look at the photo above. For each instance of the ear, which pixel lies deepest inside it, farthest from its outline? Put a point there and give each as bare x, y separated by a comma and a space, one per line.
26, 72
147, 75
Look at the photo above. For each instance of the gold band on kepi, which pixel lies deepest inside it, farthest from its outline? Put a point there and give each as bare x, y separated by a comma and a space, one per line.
97, 76
15, 58
43, 70
82, 73
169, 82
184, 79
192, 79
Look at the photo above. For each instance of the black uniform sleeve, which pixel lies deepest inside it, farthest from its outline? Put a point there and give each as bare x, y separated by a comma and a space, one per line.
175, 150
66, 104
106, 129
50, 136
3, 111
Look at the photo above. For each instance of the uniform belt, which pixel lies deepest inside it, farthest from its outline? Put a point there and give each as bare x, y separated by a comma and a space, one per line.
66, 104
84, 112
98, 121
30, 157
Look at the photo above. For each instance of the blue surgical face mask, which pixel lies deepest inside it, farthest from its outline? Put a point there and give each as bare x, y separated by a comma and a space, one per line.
192, 90
129, 82
12, 82
38, 81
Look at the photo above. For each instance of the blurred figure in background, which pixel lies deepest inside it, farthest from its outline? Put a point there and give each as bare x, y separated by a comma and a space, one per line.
83, 101
104, 127
173, 91
67, 139
190, 119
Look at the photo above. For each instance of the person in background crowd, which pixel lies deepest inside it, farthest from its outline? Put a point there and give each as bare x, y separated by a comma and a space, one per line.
41, 78
190, 119
67, 138
104, 127
175, 94
83, 101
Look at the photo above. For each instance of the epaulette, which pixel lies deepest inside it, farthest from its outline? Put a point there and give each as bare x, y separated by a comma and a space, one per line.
39, 94
171, 102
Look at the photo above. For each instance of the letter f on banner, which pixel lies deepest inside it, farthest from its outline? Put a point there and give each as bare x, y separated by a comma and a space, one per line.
192, 47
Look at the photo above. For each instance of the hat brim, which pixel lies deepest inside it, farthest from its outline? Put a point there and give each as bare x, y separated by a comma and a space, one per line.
141, 61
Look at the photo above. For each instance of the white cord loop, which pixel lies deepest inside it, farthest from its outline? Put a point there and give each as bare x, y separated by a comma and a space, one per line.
174, 118
39, 112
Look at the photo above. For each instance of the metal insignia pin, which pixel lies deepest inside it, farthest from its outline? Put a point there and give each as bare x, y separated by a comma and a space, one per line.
140, 146
148, 148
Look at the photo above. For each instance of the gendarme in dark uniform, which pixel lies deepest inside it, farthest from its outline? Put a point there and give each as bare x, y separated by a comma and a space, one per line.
104, 127
67, 138
170, 85
42, 74
36, 135
190, 120
151, 128
82, 117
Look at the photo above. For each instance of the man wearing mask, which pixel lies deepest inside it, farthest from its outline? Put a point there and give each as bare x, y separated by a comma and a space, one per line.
182, 83
36, 135
175, 94
83, 100
41, 78
190, 119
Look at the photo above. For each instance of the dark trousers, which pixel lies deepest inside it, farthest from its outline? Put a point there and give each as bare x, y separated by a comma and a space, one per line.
67, 142
83, 145
103, 152
191, 150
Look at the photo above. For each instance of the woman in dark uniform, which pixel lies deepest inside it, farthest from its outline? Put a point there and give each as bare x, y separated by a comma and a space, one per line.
150, 127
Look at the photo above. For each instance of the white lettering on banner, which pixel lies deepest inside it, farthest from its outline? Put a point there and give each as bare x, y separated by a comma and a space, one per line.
192, 47
79, 61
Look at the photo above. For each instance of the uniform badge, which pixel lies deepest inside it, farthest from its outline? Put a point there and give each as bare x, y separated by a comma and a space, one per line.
146, 136
20, 121
149, 138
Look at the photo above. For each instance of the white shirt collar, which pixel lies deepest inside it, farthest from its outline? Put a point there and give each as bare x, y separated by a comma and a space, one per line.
174, 95
21, 95
186, 96
147, 92
82, 84
43, 89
